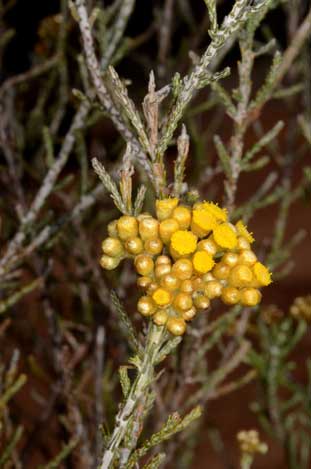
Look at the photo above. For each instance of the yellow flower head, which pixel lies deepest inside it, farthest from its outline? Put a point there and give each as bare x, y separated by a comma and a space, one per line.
225, 236
161, 297
183, 242
165, 207
203, 262
262, 274
243, 231
202, 222
218, 212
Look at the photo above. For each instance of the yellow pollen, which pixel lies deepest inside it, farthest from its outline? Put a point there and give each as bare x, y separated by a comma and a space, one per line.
184, 242
243, 231
203, 262
225, 236
203, 219
262, 274
161, 297
219, 213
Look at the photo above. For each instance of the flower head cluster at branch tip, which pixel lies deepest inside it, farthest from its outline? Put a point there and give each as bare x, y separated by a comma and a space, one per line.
301, 308
186, 257
250, 443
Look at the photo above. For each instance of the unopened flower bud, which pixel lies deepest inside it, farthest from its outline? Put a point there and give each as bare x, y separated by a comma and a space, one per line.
112, 247
230, 295
146, 306
149, 228
167, 229
153, 246
250, 296
160, 317
165, 207
183, 216
182, 301
108, 262
176, 326
144, 264
127, 227
213, 289
134, 245
182, 269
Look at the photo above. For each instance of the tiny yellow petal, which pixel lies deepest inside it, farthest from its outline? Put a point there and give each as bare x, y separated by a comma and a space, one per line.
161, 297
203, 262
262, 274
202, 222
183, 242
225, 236
218, 212
243, 231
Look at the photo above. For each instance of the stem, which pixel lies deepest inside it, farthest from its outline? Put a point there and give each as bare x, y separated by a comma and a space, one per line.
154, 341
246, 461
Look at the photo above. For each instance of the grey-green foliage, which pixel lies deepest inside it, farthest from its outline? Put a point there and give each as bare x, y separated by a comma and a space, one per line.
173, 425
287, 416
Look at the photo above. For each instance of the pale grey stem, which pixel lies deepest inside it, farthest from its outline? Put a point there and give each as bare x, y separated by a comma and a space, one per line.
47, 185
101, 90
143, 380
125, 12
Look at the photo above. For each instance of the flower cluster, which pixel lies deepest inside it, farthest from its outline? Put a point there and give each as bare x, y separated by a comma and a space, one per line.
186, 257
301, 308
250, 443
